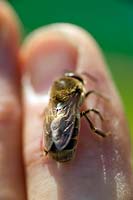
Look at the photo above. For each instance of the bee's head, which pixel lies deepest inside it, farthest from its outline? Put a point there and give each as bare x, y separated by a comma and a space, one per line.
66, 86
75, 76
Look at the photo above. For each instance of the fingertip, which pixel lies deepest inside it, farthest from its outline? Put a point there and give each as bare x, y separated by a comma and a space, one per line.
9, 23
45, 56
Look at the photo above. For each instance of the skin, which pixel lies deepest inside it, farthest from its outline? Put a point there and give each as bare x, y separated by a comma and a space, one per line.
102, 167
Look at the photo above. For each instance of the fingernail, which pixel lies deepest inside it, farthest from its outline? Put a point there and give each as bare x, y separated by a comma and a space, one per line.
46, 57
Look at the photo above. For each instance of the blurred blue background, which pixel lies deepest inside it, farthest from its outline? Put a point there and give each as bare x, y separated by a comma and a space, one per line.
109, 21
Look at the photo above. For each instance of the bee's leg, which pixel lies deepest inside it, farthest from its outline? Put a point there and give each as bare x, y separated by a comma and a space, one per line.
92, 110
45, 152
93, 128
96, 93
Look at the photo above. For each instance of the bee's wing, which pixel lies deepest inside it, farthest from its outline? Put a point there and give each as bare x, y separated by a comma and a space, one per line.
62, 126
59, 123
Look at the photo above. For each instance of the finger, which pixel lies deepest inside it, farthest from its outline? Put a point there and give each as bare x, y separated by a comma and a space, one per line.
101, 169
11, 167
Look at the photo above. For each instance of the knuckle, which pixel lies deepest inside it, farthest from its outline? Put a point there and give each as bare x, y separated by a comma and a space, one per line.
9, 110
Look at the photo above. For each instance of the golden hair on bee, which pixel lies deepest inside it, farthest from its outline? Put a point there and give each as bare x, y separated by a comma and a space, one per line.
62, 117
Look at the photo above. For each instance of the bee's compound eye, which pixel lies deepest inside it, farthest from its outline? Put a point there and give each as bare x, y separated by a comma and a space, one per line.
76, 76
69, 74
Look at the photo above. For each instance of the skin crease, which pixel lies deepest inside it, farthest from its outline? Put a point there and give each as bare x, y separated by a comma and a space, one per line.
101, 169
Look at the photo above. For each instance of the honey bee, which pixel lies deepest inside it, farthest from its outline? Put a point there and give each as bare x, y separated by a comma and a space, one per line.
62, 117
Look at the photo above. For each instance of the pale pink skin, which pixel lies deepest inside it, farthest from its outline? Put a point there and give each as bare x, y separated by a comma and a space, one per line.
101, 169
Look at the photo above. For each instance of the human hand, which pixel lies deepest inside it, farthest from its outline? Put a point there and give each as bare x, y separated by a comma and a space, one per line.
101, 169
